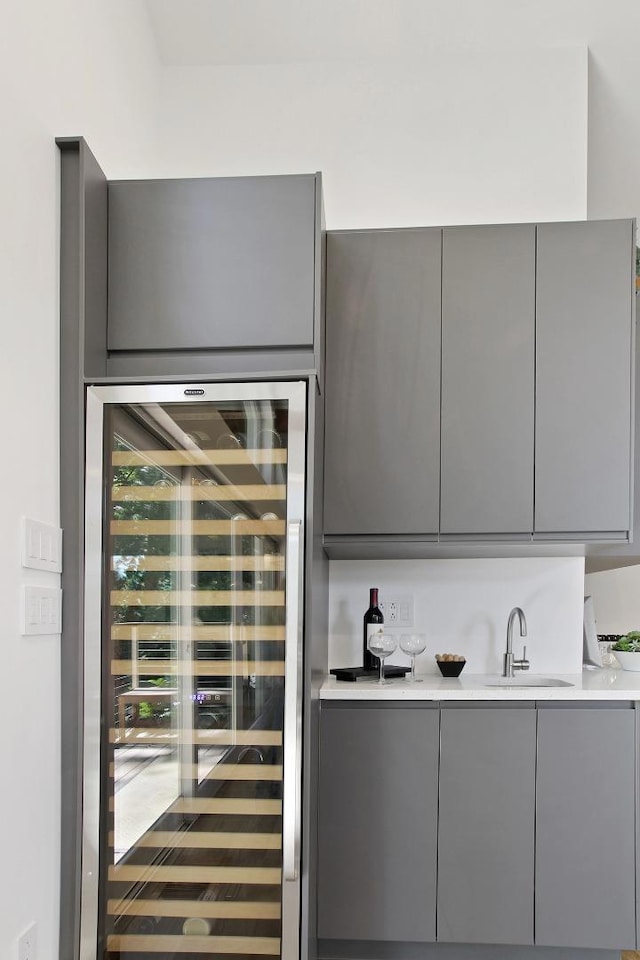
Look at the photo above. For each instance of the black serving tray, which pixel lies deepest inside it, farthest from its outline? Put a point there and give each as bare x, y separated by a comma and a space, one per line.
361, 673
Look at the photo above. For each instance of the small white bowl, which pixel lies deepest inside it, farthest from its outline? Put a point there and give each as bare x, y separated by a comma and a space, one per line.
628, 661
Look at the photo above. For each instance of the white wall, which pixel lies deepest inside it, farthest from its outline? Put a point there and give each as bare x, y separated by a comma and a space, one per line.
456, 136
463, 606
74, 67
616, 599
411, 31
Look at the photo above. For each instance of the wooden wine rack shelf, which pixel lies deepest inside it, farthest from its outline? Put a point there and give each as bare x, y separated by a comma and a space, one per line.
199, 492
186, 458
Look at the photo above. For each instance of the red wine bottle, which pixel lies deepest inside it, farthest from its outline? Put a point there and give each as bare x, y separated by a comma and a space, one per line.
373, 619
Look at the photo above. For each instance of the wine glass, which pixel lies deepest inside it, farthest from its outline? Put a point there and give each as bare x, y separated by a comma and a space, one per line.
381, 644
413, 644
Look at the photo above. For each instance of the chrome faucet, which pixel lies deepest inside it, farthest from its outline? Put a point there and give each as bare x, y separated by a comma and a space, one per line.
509, 663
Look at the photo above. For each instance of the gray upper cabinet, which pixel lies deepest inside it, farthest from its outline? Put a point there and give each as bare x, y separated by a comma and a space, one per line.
212, 264
584, 336
480, 386
585, 828
378, 809
383, 382
486, 824
488, 343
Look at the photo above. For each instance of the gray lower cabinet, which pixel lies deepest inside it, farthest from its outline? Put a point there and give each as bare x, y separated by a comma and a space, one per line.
585, 828
488, 347
486, 824
378, 811
584, 369
469, 823
209, 264
382, 460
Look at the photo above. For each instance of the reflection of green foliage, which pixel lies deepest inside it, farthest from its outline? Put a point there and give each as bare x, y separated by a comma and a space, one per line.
144, 580
124, 614
137, 476
141, 545
158, 714
131, 547
138, 545
214, 614
214, 579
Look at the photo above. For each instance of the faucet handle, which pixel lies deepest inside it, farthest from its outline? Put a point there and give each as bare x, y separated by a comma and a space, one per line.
524, 663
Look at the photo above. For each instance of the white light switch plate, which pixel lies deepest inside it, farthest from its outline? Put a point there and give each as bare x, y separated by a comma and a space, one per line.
41, 610
41, 546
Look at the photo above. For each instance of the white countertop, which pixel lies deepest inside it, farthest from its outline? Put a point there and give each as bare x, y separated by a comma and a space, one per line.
601, 684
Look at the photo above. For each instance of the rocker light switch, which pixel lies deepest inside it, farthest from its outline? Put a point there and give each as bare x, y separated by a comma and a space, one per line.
41, 610
41, 546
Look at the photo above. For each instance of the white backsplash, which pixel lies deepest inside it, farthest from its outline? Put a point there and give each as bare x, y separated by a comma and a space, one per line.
616, 598
463, 606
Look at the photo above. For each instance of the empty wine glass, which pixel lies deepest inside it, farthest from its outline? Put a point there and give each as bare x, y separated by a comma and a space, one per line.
381, 644
413, 644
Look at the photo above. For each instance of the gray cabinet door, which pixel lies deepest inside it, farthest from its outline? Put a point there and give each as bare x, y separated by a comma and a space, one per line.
583, 372
486, 825
585, 857
383, 382
378, 810
488, 328
212, 263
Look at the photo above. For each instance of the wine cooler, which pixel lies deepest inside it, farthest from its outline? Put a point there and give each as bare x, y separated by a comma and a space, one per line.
193, 657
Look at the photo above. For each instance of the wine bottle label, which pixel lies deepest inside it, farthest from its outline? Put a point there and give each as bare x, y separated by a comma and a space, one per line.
371, 629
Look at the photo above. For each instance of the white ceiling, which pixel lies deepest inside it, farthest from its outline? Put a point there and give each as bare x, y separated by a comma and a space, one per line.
210, 32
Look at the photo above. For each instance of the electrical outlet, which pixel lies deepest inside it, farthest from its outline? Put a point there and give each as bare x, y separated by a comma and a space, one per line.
27, 943
397, 611
391, 612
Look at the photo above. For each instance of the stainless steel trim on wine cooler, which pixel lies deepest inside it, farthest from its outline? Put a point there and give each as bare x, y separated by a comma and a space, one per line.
292, 708
95, 819
92, 673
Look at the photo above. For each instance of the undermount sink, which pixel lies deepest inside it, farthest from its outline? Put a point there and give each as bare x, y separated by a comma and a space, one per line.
527, 682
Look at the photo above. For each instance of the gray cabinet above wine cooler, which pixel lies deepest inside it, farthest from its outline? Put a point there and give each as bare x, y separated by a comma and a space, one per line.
480, 389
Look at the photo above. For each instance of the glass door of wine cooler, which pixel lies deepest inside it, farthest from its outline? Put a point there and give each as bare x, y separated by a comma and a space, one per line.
193, 624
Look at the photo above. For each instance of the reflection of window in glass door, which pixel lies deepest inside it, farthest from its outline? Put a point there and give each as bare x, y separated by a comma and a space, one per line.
142, 635
197, 498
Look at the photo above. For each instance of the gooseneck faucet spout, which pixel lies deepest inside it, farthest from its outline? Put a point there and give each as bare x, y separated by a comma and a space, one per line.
510, 664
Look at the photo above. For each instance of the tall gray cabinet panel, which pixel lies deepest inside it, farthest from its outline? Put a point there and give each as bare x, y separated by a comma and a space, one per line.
486, 825
583, 370
378, 811
212, 263
488, 337
585, 857
383, 382
83, 310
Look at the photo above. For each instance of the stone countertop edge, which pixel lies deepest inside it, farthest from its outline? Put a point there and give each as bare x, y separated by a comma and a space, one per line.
599, 684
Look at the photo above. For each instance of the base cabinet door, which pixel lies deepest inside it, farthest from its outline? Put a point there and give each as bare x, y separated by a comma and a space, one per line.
486, 824
378, 809
585, 855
